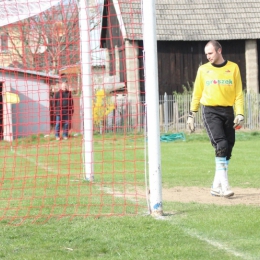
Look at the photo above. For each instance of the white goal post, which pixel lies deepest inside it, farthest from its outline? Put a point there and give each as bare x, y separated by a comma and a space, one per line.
152, 100
12, 11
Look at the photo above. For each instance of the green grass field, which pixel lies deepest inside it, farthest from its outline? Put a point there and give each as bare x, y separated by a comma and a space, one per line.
43, 178
186, 231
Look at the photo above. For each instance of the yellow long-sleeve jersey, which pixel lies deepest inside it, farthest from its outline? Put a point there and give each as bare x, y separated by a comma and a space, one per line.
218, 86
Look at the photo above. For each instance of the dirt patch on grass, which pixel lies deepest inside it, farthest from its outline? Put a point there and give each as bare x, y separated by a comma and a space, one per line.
248, 196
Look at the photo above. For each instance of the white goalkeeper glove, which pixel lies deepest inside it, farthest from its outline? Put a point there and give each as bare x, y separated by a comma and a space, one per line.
190, 122
238, 122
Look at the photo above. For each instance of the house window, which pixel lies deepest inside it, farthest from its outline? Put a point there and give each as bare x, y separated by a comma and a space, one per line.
4, 42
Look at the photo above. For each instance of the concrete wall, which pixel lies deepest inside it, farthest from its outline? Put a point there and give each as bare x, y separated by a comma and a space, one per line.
132, 68
251, 66
133, 81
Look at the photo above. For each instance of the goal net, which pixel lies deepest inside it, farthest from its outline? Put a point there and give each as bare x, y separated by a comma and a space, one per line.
72, 110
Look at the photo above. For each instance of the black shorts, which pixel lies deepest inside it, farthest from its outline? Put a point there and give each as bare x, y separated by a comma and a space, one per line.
219, 124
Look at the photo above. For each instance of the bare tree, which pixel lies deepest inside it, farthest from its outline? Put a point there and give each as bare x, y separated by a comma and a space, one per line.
49, 40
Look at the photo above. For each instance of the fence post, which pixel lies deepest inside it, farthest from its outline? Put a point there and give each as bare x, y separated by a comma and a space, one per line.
161, 116
165, 104
175, 113
249, 115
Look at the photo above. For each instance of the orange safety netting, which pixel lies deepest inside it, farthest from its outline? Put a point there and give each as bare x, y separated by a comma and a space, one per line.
54, 133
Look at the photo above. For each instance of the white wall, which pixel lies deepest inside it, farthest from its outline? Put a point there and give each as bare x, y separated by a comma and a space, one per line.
31, 115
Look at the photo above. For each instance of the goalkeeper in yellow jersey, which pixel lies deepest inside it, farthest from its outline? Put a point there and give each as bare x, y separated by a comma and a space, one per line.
218, 88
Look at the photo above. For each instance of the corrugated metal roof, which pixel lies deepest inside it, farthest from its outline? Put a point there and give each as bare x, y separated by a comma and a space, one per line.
195, 20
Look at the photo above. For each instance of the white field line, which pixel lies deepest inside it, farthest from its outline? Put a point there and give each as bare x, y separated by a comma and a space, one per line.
187, 231
129, 197
217, 244
106, 189
49, 169
115, 147
194, 234
38, 164
119, 194
214, 243
98, 147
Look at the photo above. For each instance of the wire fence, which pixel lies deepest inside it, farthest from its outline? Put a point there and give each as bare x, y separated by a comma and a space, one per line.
173, 113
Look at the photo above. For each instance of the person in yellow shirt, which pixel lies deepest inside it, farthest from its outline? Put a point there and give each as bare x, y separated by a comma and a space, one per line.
218, 88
